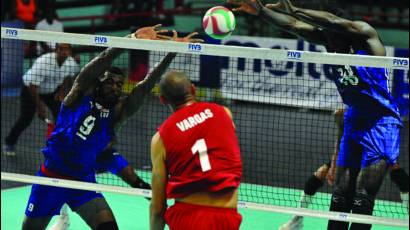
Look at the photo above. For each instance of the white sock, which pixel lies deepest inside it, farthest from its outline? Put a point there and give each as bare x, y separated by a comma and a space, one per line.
405, 199
305, 200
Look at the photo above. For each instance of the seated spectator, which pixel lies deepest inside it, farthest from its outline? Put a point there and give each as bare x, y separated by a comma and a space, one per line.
49, 23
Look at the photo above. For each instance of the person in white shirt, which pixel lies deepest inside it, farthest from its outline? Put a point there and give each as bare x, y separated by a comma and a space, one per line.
45, 84
49, 23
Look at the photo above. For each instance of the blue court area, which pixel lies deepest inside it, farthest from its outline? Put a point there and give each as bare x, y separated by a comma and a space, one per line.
131, 212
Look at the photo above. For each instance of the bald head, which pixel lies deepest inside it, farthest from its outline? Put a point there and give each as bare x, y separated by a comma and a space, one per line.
175, 87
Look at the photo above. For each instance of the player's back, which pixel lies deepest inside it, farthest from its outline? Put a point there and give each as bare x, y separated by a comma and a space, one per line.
202, 150
80, 134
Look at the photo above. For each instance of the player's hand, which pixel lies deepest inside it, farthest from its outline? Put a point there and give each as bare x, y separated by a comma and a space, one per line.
189, 38
339, 116
282, 6
248, 6
152, 33
330, 177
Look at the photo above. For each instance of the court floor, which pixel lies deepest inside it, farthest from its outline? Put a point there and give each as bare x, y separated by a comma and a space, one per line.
131, 212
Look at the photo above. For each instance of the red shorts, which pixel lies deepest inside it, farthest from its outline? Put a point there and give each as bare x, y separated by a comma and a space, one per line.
197, 217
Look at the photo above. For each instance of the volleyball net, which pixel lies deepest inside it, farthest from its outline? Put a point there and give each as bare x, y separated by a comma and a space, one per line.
282, 103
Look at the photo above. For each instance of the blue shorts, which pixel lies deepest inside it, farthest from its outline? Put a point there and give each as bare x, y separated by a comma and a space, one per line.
112, 161
360, 149
47, 200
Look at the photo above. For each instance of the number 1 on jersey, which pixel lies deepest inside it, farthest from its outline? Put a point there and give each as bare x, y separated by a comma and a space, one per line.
200, 147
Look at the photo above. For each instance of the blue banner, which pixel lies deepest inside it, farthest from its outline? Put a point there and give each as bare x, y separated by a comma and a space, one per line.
401, 84
12, 60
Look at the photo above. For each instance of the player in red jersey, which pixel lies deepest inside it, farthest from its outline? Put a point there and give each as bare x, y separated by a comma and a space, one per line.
196, 161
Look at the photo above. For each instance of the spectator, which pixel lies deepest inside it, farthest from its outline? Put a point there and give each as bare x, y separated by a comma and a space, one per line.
25, 10
44, 84
49, 23
118, 7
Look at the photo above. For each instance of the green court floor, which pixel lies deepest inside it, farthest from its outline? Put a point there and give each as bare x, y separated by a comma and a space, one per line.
132, 213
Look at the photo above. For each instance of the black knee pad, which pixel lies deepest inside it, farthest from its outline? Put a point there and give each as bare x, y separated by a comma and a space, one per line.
312, 185
112, 225
340, 202
400, 178
363, 204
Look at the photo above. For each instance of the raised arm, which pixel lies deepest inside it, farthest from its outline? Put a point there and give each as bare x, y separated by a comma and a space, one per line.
331, 21
133, 102
339, 116
89, 75
280, 19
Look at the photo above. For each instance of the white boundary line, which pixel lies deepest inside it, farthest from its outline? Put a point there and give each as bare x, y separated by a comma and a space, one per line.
246, 205
206, 49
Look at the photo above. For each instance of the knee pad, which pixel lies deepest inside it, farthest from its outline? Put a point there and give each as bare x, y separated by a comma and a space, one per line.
400, 178
363, 204
111, 225
340, 202
312, 185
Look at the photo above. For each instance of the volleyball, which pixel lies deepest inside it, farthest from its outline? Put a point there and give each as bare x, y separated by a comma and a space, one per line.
218, 22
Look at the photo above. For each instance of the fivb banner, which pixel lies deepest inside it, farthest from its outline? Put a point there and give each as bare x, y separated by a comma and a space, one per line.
12, 60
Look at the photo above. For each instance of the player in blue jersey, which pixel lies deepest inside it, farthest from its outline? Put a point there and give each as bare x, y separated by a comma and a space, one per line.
327, 172
371, 137
85, 127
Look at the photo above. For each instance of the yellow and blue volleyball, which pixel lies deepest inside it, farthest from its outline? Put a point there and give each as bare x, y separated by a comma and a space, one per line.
218, 22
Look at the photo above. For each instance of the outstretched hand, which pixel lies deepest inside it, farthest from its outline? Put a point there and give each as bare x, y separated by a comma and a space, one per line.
152, 33
248, 6
187, 38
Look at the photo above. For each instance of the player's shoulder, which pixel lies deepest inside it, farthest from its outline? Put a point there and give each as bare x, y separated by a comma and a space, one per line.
70, 62
339, 112
41, 24
47, 57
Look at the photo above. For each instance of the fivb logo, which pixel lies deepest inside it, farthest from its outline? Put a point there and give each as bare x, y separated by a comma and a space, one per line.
100, 40
294, 55
400, 62
11, 33
194, 47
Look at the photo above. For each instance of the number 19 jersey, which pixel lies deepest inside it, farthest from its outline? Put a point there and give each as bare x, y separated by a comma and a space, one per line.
80, 134
202, 150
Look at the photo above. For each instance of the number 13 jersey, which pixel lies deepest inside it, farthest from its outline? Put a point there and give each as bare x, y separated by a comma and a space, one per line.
202, 150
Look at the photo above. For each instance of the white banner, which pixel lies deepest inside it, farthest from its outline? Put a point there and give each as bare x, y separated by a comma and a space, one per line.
277, 82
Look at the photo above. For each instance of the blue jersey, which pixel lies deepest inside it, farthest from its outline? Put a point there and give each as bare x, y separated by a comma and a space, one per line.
79, 136
366, 92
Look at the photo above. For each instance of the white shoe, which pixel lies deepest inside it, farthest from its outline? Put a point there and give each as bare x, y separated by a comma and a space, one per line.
296, 223
62, 223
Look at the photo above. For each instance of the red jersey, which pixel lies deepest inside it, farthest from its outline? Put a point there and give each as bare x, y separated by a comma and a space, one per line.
202, 150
